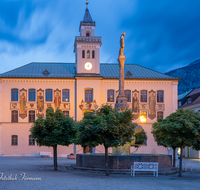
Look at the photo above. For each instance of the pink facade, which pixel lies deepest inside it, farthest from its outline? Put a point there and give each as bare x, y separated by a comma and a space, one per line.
83, 88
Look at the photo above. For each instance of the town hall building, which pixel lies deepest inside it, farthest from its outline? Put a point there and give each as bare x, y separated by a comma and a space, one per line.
75, 88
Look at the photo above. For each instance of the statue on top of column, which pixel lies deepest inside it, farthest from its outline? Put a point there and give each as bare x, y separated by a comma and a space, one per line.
122, 44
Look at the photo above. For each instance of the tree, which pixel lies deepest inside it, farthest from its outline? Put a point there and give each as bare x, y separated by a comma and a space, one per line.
55, 129
179, 129
160, 133
84, 136
140, 138
107, 127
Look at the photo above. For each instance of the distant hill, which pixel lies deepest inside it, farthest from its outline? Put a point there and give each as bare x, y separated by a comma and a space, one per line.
189, 74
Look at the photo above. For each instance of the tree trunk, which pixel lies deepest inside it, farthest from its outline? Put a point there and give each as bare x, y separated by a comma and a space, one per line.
106, 161
84, 149
174, 156
55, 157
180, 164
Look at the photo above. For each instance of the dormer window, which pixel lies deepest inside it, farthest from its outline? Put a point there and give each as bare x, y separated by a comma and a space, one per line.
87, 34
128, 74
189, 100
46, 73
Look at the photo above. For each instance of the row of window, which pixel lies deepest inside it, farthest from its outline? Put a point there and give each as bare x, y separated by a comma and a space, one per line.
88, 95
143, 96
14, 140
32, 95
88, 54
31, 115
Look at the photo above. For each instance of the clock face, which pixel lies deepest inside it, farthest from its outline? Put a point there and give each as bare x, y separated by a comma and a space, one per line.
88, 66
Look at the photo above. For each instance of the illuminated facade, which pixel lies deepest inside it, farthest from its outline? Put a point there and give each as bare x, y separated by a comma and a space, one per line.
76, 88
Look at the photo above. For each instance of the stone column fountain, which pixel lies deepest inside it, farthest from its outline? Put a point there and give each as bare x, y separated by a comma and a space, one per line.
121, 102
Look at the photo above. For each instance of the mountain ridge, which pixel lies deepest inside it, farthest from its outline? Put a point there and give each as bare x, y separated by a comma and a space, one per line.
190, 75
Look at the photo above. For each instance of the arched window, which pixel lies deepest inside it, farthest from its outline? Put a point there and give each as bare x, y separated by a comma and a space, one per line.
110, 96
89, 95
14, 140
83, 54
88, 54
93, 54
31, 141
49, 95
160, 96
31, 116
87, 33
31, 95
14, 116
65, 95
128, 95
143, 96
14, 94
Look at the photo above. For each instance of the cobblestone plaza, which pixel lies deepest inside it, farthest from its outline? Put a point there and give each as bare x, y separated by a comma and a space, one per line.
41, 169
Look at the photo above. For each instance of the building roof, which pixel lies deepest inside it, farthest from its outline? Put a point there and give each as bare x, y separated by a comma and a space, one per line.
181, 96
192, 92
67, 70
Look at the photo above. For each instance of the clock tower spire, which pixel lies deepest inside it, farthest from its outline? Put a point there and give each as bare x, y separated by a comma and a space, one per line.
87, 46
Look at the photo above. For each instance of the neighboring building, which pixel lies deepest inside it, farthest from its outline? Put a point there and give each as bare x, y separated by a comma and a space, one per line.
190, 100
76, 88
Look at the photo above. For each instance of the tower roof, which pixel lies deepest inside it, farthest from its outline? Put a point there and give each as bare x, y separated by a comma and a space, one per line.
87, 17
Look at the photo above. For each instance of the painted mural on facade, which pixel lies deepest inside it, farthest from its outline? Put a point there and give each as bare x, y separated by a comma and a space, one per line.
23, 101
57, 98
40, 102
152, 104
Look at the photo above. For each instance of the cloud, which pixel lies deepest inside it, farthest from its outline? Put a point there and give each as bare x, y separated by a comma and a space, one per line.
164, 33
160, 35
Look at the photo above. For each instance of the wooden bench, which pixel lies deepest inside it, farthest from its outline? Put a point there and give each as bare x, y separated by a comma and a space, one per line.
145, 166
45, 154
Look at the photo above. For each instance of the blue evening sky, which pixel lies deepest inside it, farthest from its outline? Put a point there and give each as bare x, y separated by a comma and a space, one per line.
160, 34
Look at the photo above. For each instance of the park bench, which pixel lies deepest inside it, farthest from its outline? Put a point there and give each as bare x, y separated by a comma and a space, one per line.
144, 166
45, 154
184, 164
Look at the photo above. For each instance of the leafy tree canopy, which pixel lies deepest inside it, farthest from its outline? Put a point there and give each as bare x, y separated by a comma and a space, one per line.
55, 129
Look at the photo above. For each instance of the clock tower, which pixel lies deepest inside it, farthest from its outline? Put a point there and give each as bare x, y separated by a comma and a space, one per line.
87, 47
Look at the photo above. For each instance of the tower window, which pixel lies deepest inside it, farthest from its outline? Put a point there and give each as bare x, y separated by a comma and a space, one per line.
88, 54
93, 54
83, 54
87, 34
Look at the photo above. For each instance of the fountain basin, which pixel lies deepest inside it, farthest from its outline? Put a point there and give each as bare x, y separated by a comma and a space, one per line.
122, 161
